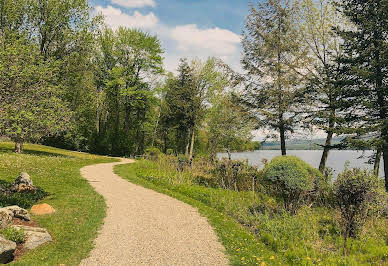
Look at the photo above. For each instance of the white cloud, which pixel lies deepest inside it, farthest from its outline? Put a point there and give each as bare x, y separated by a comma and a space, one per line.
134, 3
180, 41
218, 41
114, 18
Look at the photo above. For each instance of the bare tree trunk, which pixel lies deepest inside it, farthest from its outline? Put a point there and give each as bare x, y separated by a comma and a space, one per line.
283, 139
156, 127
187, 144
19, 147
376, 168
192, 145
326, 150
385, 158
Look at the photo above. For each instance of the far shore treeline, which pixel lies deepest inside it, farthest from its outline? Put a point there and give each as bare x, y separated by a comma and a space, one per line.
67, 80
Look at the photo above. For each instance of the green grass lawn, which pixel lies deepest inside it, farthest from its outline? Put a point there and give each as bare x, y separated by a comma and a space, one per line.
253, 229
79, 209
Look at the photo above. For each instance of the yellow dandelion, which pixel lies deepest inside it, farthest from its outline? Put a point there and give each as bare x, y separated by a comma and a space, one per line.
243, 258
262, 264
272, 258
308, 258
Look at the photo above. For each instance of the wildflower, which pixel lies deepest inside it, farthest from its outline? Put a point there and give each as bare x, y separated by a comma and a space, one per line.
272, 258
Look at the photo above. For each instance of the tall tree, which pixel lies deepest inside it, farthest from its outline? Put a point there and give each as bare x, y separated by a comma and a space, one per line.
324, 91
31, 105
365, 68
274, 61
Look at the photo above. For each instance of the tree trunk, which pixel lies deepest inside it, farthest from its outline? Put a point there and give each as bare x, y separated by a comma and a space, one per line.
192, 145
385, 158
283, 139
326, 150
377, 162
19, 147
187, 144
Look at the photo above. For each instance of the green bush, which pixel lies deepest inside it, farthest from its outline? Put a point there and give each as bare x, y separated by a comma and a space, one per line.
13, 234
153, 153
291, 179
24, 199
357, 195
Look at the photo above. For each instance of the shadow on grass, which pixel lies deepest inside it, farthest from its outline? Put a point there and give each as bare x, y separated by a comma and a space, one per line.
33, 152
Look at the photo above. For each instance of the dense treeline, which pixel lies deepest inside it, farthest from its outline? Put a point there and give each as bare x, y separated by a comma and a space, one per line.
68, 81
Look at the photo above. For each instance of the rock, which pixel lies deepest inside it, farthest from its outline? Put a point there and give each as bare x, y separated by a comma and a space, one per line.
7, 249
23, 182
19, 212
35, 236
6, 217
41, 209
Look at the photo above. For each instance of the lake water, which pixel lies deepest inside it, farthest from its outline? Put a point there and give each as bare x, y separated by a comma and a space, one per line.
336, 159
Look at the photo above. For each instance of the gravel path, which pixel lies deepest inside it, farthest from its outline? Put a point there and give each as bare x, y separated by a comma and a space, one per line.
148, 228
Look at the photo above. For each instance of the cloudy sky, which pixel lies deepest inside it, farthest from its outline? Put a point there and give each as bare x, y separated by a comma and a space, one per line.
187, 28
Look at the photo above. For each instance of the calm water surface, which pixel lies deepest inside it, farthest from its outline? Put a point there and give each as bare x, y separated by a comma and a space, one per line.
336, 160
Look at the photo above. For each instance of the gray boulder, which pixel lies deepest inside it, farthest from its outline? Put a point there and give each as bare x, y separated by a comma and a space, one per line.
19, 212
7, 249
6, 217
35, 236
24, 178
23, 182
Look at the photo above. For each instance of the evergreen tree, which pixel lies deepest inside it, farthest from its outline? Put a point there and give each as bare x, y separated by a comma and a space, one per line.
274, 60
365, 72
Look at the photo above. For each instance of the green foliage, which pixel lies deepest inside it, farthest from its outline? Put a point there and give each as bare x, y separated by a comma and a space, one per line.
31, 105
153, 153
363, 73
237, 176
355, 192
273, 59
13, 234
291, 179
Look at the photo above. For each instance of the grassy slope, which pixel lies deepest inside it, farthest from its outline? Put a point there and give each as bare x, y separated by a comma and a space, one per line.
80, 210
280, 239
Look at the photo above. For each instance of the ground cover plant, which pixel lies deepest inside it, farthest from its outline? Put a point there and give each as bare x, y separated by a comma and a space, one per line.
311, 235
79, 209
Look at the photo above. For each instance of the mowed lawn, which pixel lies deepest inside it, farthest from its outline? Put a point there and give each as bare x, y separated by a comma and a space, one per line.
79, 209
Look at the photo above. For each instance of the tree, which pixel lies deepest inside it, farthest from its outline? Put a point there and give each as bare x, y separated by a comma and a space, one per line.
31, 106
324, 91
127, 61
365, 71
187, 99
228, 123
274, 61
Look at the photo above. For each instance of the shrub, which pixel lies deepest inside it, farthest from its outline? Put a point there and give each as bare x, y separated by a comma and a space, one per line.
24, 199
291, 179
236, 175
356, 193
183, 162
153, 153
13, 234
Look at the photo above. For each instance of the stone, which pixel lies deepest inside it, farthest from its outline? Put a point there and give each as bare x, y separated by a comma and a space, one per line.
7, 249
6, 217
19, 212
42, 209
35, 236
23, 182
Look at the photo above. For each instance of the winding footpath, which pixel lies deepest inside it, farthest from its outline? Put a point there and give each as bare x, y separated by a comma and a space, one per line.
143, 227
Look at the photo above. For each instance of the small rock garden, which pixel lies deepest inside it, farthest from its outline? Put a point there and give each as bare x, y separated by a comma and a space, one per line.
18, 232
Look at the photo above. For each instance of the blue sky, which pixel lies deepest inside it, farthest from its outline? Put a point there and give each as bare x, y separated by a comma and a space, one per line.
187, 28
